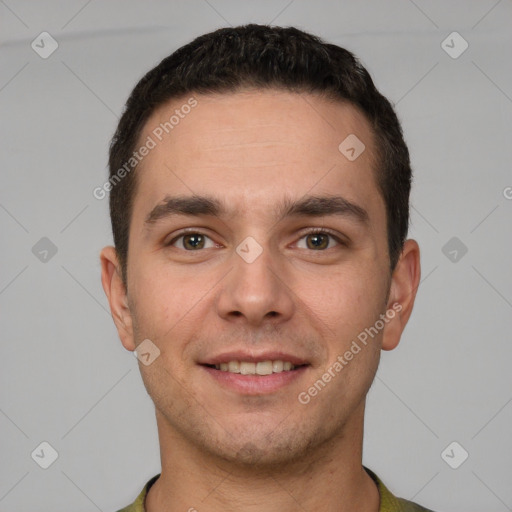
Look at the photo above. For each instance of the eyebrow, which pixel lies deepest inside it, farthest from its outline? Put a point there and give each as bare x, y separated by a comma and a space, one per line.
308, 206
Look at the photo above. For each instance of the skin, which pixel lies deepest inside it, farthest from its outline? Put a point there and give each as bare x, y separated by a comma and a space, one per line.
224, 450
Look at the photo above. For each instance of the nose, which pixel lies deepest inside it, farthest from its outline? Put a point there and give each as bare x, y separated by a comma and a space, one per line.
256, 292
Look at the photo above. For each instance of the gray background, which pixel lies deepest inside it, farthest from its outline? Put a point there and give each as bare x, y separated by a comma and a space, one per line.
65, 377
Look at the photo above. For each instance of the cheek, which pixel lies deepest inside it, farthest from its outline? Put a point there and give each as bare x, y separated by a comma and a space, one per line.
345, 300
169, 300
155, 303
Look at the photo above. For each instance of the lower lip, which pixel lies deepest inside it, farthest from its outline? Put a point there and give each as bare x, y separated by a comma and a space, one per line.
255, 384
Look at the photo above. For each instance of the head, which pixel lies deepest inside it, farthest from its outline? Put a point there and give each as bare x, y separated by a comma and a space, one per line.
244, 131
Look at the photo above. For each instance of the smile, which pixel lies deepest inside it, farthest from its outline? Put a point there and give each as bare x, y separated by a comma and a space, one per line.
259, 368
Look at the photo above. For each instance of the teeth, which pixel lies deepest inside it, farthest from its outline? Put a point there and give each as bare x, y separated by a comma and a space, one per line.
247, 368
234, 367
277, 366
261, 368
264, 368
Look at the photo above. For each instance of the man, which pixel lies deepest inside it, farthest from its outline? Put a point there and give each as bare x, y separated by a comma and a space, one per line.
259, 188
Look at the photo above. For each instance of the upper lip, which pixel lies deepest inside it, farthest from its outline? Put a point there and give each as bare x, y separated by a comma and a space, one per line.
252, 357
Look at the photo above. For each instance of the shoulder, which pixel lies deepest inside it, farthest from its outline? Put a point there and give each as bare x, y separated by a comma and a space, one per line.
138, 504
409, 506
391, 503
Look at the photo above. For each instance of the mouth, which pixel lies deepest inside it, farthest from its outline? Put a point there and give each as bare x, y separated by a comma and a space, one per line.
260, 368
256, 375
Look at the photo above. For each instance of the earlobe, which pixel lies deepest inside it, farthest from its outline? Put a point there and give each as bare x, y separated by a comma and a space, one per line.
115, 291
404, 285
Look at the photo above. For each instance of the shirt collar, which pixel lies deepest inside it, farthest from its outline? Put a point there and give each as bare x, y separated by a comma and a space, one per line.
388, 502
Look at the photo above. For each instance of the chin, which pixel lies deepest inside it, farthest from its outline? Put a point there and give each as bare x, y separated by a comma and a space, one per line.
253, 448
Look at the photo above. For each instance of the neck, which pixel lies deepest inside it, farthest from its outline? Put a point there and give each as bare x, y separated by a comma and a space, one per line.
331, 478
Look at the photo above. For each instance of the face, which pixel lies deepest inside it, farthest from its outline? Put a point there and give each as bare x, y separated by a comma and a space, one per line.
282, 258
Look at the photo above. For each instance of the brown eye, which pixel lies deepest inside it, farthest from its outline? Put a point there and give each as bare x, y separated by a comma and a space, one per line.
191, 241
320, 240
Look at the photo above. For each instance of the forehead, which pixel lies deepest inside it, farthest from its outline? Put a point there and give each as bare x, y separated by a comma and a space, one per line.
249, 147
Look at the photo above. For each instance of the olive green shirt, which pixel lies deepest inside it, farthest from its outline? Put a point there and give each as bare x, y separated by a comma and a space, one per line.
388, 502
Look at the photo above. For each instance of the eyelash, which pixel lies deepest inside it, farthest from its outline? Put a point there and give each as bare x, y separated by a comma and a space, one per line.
313, 231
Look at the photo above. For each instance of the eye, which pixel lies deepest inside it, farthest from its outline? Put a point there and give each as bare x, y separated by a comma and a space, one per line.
319, 239
316, 240
192, 241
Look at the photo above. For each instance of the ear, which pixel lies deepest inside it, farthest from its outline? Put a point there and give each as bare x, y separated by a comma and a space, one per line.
404, 284
115, 291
